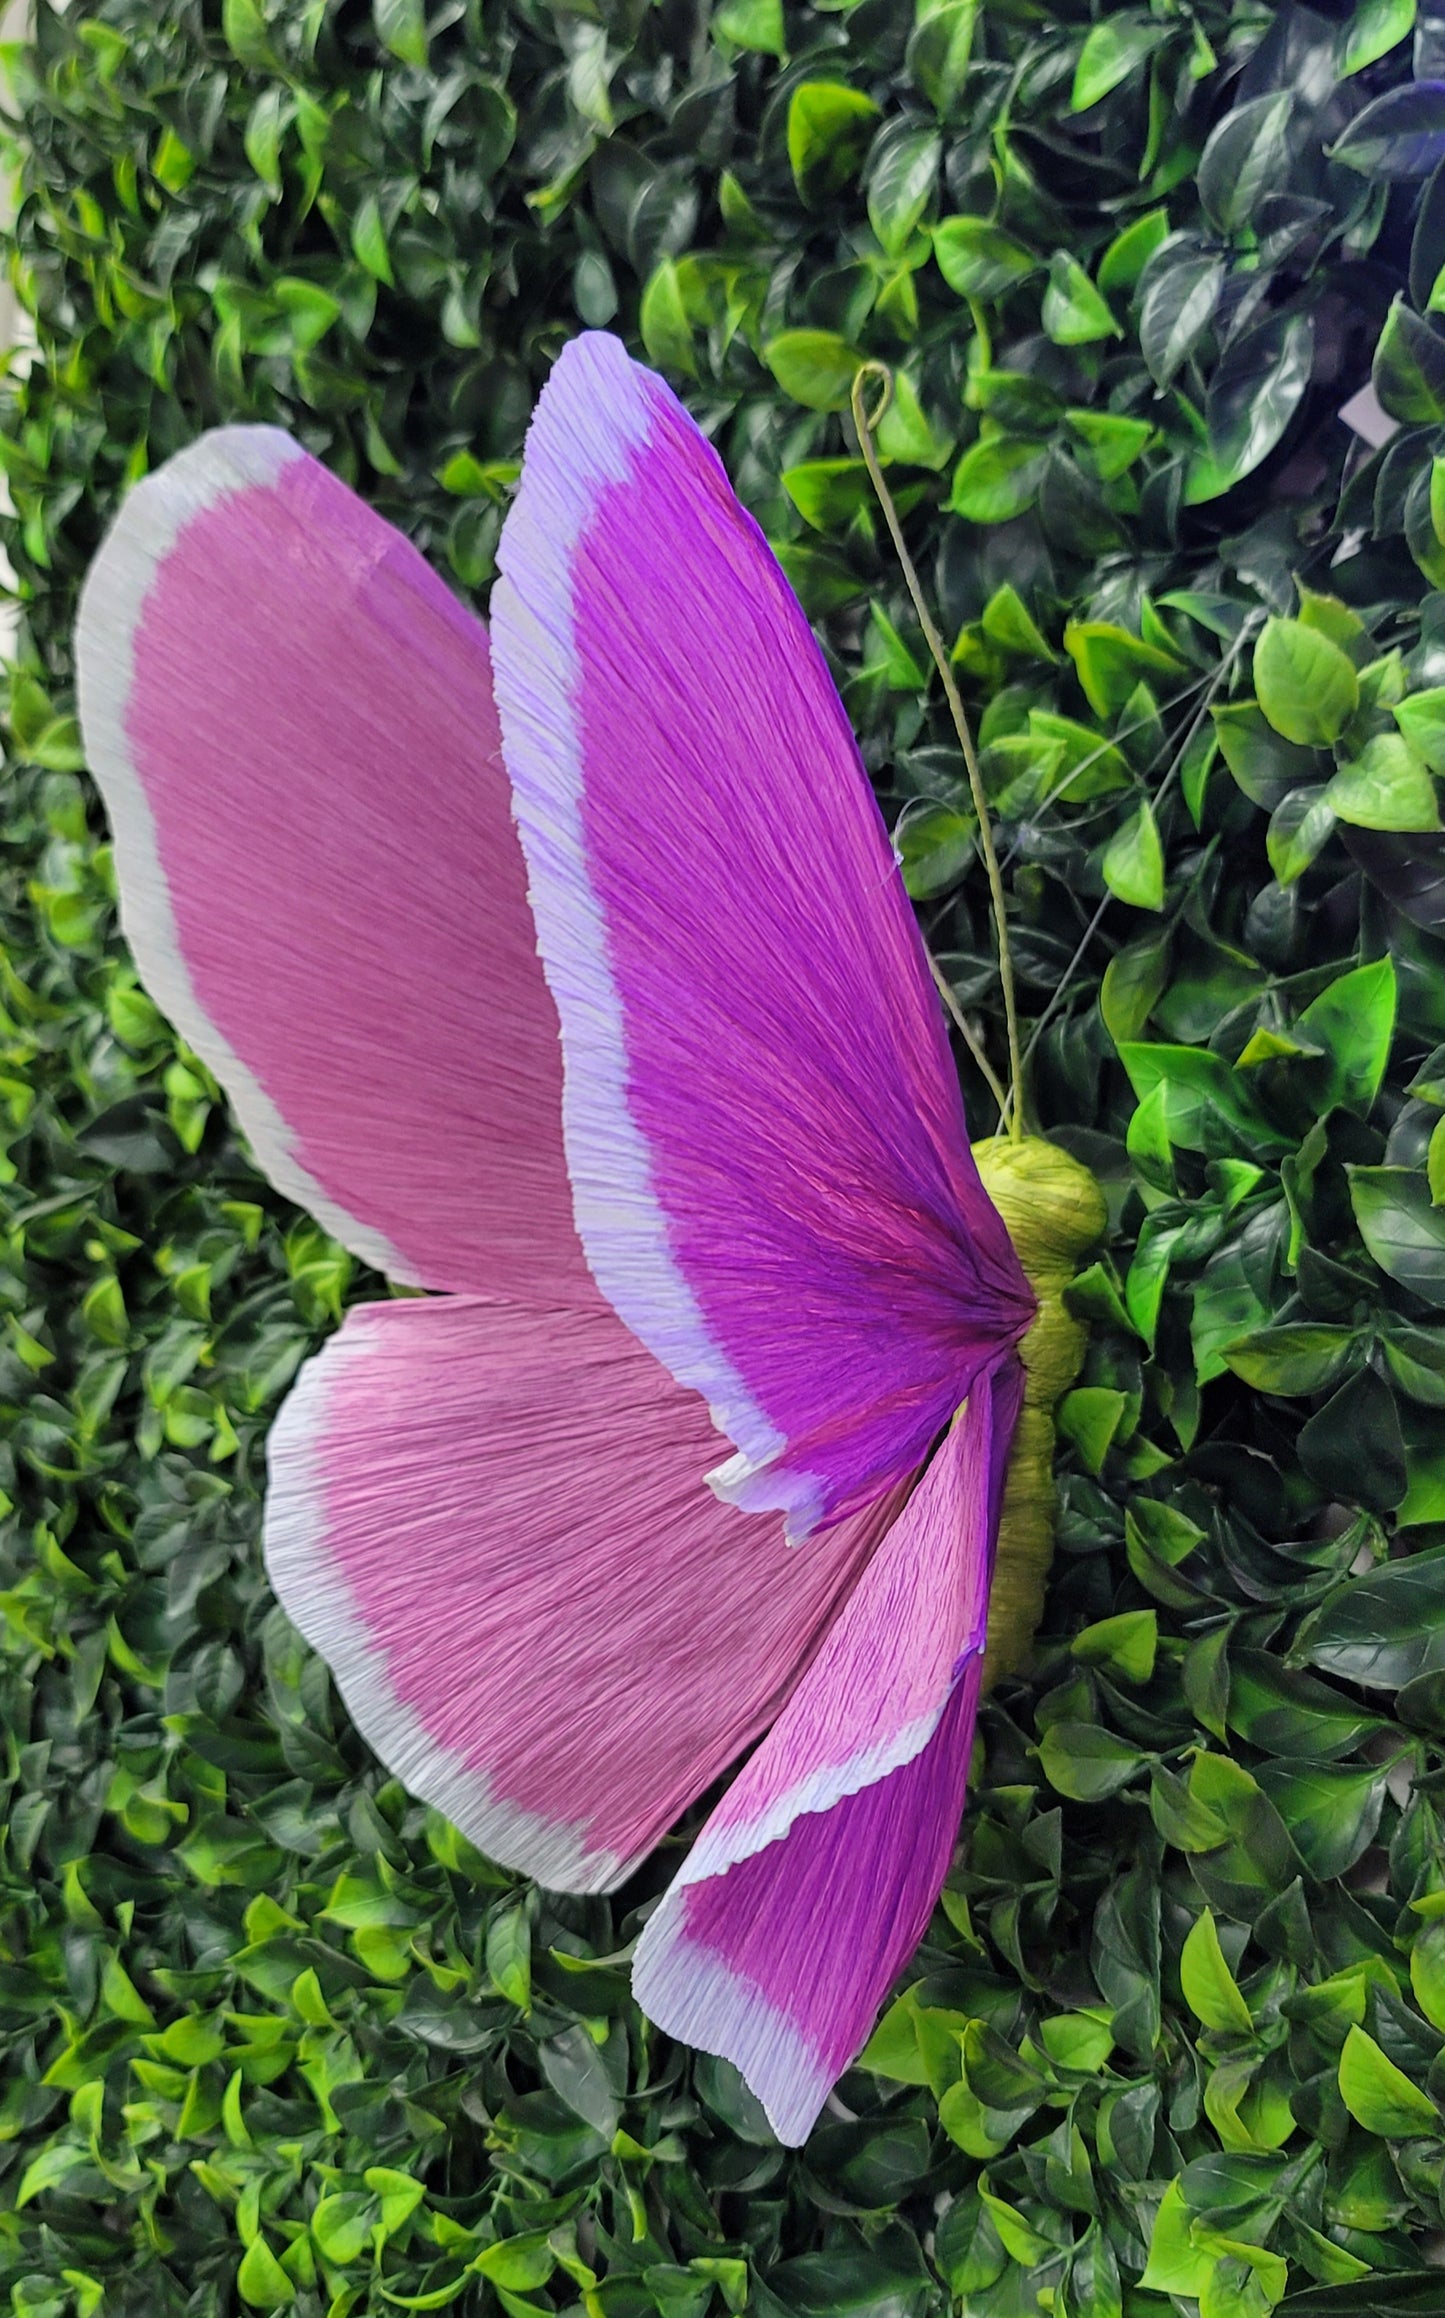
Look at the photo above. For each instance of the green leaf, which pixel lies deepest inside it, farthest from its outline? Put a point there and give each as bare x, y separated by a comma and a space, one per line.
1007, 622
664, 322
368, 240
1401, 1228
1376, 27
1176, 2265
1124, 1645
341, 2226
828, 493
1210, 1988
1090, 1416
401, 28
979, 260
1353, 1022
1179, 291
1380, 2096
816, 367
1245, 158
901, 179
1300, 826
509, 1956
1258, 385
753, 24
1332, 1810
1435, 1163
1131, 249
1386, 787
1205, 1107
934, 846
1074, 312
829, 128
997, 478
1427, 1970
1293, 1357
941, 50
261, 2281
1386, 1628
1353, 1446
1398, 135
245, 31
1113, 442
1112, 662
1265, 766
1421, 718
1133, 861
1409, 368
1112, 53
1307, 687
1087, 1763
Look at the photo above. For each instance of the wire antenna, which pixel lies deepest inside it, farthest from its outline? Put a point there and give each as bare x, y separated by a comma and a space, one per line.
866, 421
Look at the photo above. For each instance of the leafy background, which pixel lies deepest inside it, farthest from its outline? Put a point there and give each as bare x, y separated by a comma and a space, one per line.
276, 2038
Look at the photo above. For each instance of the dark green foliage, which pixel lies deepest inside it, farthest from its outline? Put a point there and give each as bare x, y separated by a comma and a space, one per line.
276, 2038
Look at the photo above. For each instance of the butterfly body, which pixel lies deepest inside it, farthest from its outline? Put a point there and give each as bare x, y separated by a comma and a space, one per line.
1055, 1213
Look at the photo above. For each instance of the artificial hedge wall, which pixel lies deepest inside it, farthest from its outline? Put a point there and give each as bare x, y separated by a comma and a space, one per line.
275, 2037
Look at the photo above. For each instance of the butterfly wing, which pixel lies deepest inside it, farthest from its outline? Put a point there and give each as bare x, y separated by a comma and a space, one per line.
813, 1880
291, 721
490, 1522
763, 1125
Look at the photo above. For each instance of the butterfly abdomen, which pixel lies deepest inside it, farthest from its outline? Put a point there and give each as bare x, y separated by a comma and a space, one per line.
1055, 1212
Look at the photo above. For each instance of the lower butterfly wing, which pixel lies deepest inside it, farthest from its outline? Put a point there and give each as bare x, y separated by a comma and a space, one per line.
291, 722
813, 1880
762, 1121
489, 1521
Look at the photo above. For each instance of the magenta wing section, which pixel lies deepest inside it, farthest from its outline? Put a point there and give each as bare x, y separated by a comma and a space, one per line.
762, 1121
291, 720
813, 1881
490, 1522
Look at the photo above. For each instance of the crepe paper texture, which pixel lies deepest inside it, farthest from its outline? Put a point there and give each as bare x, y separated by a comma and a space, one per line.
646, 1153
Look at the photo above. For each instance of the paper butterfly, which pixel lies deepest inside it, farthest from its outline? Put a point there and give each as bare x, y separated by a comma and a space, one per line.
370, 861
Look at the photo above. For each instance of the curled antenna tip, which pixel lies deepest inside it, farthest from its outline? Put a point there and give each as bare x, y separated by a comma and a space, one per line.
871, 373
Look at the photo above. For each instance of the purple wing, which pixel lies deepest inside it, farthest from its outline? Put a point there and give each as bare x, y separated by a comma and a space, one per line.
763, 1127
490, 1522
291, 721
812, 1882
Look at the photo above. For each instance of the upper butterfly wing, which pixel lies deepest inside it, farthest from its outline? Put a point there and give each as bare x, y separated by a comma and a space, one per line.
762, 1121
291, 721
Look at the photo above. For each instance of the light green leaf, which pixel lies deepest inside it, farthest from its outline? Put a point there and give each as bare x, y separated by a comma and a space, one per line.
1421, 718
1307, 686
509, 1956
1210, 1988
1074, 312
829, 127
1133, 861
1380, 2096
997, 478
816, 367
1008, 622
1176, 2265
1299, 827
1353, 1022
401, 28
664, 323
979, 260
755, 24
1124, 1645
1115, 49
901, 179
1386, 787
1376, 27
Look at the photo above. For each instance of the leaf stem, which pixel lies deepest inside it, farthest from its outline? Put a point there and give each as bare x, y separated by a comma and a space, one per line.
865, 421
